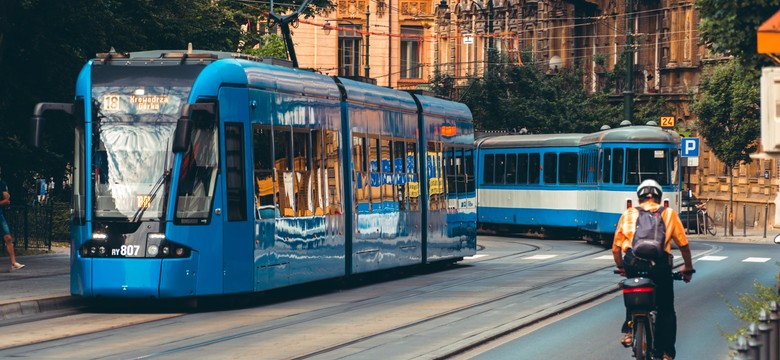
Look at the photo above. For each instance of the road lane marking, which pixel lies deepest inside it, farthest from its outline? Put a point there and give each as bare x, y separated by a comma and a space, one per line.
712, 258
477, 256
540, 257
605, 257
756, 259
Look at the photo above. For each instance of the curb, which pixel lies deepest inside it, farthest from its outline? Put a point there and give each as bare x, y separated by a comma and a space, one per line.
30, 307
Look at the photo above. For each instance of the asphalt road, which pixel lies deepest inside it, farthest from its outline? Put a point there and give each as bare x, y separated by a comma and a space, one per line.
702, 313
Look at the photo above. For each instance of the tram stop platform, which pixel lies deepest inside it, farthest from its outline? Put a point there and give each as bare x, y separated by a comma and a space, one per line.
44, 283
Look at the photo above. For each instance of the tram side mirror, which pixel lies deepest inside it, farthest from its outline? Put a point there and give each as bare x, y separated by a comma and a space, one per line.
777, 239
37, 121
182, 136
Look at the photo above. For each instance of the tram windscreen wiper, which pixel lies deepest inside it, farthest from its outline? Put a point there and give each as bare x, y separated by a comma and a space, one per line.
153, 193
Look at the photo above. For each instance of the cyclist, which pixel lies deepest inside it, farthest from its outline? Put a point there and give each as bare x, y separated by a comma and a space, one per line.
660, 270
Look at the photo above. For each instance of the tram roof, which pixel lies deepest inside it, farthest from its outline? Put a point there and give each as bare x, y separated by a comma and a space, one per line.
447, 109
637, 133
536, 140
367, 93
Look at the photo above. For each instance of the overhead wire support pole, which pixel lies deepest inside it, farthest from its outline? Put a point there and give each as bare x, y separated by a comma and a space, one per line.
284, 24
628, 87
368, 34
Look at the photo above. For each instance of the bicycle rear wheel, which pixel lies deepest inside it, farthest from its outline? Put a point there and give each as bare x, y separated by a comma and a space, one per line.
641, 340
710, 224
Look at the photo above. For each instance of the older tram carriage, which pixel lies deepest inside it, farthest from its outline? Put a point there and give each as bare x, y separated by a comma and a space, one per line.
201, 173
577, 183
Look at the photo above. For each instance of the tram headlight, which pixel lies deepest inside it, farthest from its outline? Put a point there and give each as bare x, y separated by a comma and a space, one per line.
102, 250
166, 251
152, 250
179, 251
99, 236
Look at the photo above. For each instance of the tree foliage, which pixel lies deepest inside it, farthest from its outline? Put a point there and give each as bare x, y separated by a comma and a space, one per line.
44, 44
728, 111
512, 97
729, 26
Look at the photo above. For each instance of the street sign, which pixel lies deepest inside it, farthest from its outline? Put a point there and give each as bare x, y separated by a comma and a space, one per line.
693, 161
667, 121
690, 147
468, 39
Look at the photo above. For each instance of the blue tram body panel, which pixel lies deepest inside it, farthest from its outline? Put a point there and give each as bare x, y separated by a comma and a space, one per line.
585, 186
234, 211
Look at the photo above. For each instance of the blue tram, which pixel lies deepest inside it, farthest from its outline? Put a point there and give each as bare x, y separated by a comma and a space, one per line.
207, 173
572, 182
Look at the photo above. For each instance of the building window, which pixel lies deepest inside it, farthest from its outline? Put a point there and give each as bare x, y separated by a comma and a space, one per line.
349, 50
410, 51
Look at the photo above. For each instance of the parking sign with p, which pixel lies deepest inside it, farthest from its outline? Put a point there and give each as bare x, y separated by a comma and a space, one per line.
690, 147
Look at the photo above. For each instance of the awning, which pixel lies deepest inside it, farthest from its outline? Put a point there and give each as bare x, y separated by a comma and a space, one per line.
769, 36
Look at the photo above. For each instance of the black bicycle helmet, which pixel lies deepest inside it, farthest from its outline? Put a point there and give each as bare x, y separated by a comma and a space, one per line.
649, 189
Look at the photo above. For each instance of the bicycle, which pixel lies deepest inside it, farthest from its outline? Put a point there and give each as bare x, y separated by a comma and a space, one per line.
703, 220
639, 299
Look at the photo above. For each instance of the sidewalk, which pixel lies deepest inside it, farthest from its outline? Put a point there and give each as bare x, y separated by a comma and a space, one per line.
749, 235
42, 285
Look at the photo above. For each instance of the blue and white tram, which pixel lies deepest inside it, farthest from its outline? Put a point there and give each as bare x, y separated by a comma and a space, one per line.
572, 182
204, 174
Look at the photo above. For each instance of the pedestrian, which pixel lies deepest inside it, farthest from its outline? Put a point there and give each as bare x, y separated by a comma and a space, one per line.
9, 241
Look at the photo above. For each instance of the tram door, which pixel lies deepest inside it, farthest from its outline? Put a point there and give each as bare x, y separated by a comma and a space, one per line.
238, 225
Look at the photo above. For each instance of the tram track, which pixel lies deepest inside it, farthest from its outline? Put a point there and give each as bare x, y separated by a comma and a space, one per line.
451, 313
364, 304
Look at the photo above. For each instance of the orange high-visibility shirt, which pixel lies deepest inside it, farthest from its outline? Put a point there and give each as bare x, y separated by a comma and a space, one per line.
624, 234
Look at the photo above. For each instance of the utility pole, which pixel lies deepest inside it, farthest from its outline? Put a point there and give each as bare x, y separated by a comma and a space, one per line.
367, 36
628, 88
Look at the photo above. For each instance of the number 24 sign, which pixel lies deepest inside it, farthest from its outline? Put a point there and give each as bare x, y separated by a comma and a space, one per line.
667, 121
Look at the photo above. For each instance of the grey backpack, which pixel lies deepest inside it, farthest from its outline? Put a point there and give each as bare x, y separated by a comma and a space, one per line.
650, 234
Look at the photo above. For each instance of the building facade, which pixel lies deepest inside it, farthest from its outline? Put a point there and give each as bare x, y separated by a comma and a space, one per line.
404, 44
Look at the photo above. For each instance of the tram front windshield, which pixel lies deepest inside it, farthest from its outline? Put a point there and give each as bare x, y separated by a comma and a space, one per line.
131, 148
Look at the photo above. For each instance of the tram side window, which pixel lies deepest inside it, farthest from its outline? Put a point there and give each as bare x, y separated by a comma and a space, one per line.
413, 180
264, 171
468, 159
318, 172
617, 166
198, 174
522, 168
389, 192
489, 166
399, 174
567, 168
606, 157
375, 180
511, 168
675, 166
284, 170
643, 164
550, 168
500, 168
359, 166
234, 166
534, 167
333, 173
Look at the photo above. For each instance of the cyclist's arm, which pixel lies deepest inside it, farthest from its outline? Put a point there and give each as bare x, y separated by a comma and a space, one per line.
617, 243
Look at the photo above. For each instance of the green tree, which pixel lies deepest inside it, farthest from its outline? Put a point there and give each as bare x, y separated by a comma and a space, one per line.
271, 45
729, 26
728, 112
44, 44
512, 97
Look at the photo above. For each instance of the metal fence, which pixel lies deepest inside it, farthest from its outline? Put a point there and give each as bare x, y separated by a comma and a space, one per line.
763, 338
31, 225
